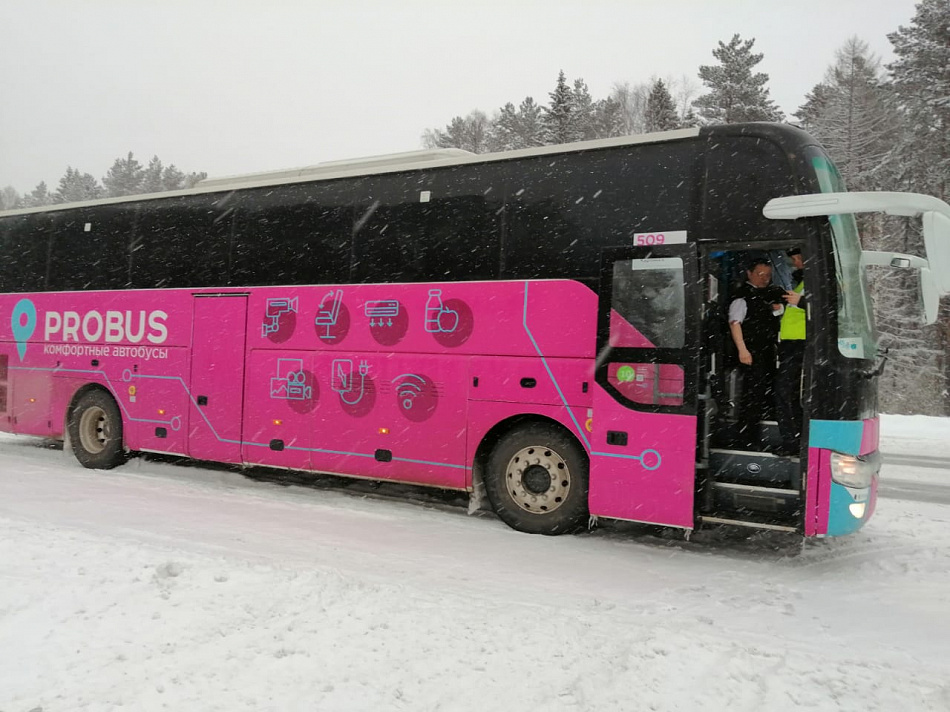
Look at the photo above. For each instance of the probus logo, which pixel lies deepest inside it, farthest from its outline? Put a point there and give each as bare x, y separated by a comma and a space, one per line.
23, 324
113, 327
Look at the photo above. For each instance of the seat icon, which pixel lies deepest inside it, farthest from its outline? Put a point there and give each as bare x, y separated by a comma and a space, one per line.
329, 311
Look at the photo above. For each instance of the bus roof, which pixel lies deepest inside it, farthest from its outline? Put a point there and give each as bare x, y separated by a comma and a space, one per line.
370, 165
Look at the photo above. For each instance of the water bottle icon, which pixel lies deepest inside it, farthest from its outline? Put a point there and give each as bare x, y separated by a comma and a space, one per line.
434, 307
438, 318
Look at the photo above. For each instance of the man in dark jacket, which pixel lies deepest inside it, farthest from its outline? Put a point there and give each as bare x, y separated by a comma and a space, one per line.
754, 324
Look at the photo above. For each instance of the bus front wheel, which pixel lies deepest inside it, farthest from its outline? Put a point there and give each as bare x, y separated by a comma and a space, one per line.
95, 431
537, 480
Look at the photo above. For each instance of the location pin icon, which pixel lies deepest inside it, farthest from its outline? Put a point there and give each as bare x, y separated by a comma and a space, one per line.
23, 324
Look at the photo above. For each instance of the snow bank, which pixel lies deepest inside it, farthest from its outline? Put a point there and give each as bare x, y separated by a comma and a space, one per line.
915, 435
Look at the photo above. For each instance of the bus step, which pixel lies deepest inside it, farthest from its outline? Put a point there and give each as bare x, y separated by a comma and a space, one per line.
726, 434
755, 468
746, 523
754, 502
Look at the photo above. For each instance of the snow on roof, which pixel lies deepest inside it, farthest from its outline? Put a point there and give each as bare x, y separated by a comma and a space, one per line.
371, 165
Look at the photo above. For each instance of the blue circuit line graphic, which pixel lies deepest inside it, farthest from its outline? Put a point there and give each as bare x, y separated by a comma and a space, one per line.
641, 458
208, 422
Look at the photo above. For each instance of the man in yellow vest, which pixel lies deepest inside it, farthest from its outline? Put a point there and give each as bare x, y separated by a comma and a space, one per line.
791, 353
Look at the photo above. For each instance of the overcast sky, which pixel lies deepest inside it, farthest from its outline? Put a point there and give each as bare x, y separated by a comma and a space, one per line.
251, 85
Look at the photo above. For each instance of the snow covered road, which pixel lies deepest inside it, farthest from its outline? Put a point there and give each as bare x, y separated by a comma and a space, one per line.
158, 587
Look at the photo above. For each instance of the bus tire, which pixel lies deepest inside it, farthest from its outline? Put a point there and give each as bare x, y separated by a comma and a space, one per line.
537, 480
95, 431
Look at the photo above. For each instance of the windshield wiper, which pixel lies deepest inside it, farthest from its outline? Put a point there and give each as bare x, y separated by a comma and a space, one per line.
878, 369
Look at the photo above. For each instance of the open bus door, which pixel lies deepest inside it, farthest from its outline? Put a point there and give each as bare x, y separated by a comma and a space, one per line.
645, 404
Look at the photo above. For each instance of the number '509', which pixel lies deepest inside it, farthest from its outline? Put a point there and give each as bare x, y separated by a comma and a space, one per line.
651, 239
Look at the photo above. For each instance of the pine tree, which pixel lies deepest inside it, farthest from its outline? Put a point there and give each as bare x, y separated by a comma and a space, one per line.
172, 178
152, 177
921, 78
608, 118
690, 119
38, 197
124, 178
559, 119
503, 134
530, 125
584, 118
816, 104
660, 110
851, 113
513, 128
736, 94
75, 187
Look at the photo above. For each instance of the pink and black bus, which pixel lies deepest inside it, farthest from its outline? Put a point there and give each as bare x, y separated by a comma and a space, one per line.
544, 326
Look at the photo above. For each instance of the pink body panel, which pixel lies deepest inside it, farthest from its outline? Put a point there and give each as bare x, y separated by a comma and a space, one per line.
870, 435
30, 399
651, 479
397, 381
817, 492
217, 362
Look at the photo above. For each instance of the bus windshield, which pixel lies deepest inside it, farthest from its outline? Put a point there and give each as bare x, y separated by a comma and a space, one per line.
856, 334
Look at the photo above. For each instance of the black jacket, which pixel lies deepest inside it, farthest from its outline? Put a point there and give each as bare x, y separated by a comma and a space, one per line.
760, 326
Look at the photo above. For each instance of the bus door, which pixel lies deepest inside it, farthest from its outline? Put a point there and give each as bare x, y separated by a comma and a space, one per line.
644, 425
217, 377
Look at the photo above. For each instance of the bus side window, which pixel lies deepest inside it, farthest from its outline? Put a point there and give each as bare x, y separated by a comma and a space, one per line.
294, 234
181, 242
24, 245
432, 229
90, 247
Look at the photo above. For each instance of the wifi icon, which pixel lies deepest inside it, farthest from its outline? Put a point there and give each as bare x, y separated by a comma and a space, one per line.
408, 387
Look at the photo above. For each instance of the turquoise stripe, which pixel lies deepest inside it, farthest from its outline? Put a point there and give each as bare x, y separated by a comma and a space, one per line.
838, 435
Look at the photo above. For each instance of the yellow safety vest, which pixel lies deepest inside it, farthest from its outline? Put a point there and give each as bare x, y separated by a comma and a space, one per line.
793, 320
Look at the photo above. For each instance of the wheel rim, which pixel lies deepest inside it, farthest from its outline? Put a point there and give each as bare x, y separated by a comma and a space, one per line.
538, 479
95, 430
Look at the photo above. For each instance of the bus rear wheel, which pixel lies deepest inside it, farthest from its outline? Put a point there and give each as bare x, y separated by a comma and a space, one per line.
95, 431
537, 480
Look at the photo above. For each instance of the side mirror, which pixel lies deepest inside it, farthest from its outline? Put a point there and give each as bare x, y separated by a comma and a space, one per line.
929, 295
892, 259
929, 290
937, 241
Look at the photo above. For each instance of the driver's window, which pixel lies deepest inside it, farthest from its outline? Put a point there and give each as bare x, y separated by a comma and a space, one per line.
648, 303
648, 310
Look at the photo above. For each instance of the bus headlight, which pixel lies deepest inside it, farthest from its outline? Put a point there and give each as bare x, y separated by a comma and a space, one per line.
854, 471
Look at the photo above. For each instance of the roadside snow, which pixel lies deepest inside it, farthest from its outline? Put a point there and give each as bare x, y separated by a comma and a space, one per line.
915, 435
156, 587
